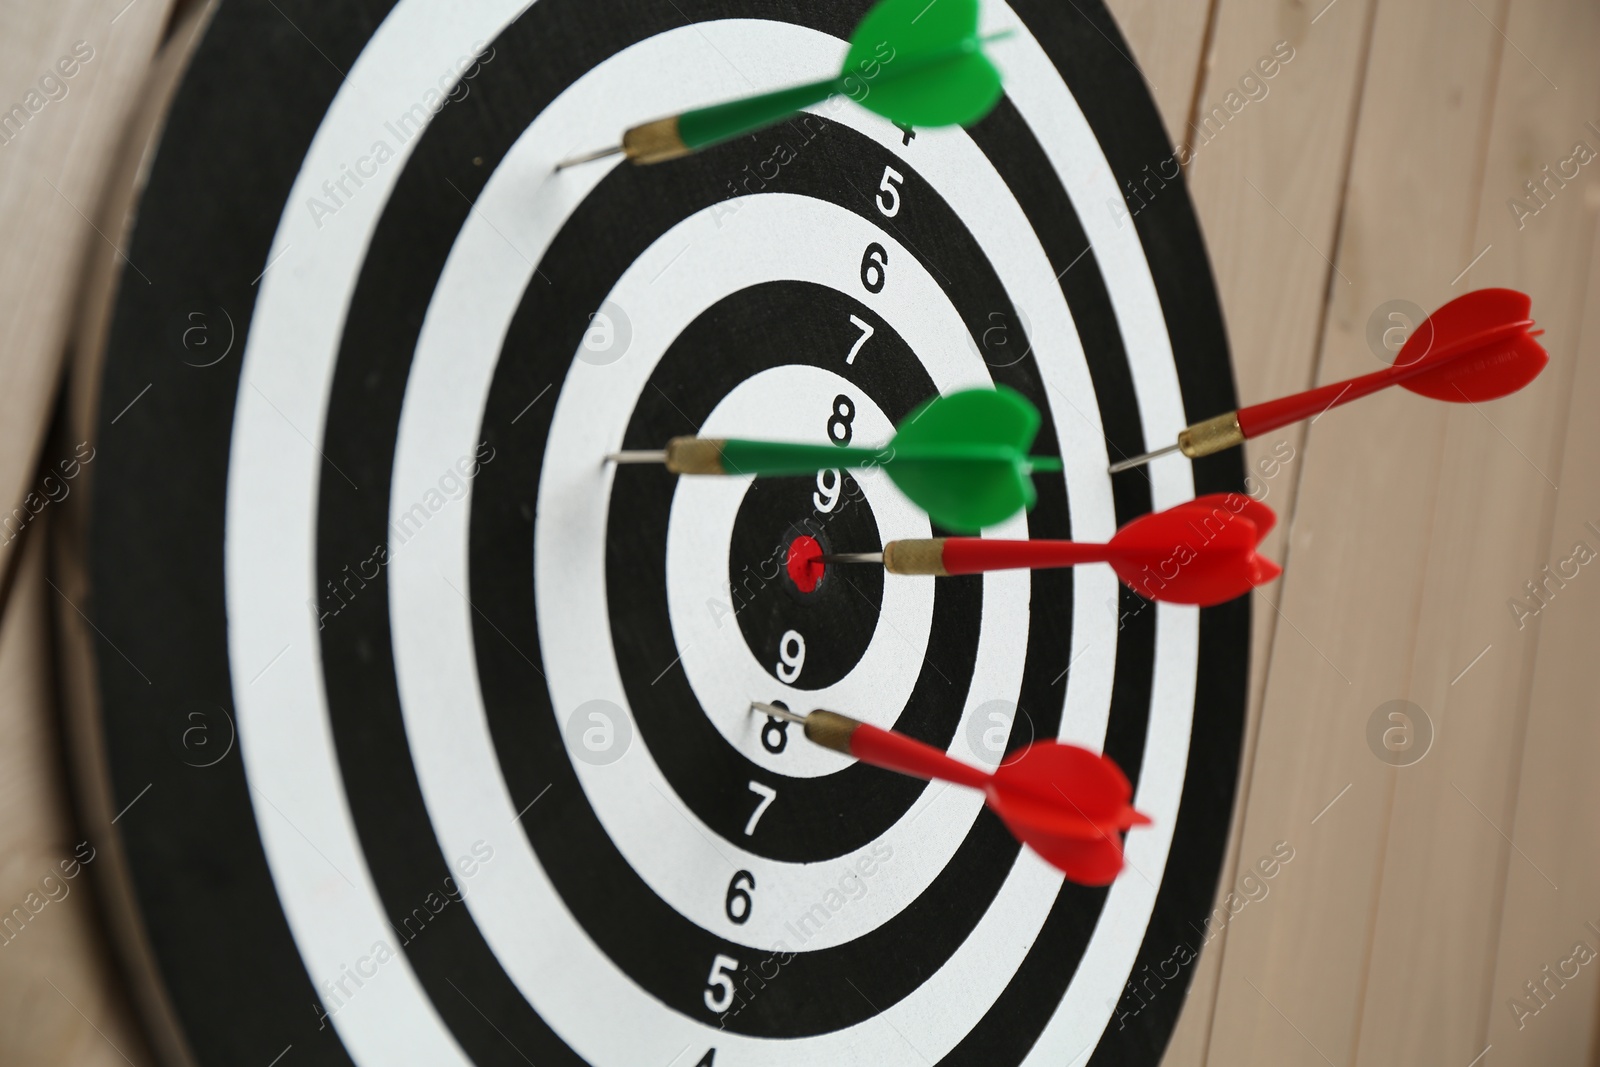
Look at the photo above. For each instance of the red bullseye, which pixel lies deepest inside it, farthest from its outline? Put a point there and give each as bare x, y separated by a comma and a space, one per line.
804, 563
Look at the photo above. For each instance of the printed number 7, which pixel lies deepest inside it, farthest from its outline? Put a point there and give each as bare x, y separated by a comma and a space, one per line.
866, 332
767, 795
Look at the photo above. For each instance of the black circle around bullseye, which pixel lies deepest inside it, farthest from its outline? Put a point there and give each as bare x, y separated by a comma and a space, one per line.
787, 325
807, 640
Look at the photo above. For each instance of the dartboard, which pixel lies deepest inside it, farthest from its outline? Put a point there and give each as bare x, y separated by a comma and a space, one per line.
428, 729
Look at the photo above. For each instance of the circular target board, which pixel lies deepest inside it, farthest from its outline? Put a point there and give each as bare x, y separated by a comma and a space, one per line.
475, 778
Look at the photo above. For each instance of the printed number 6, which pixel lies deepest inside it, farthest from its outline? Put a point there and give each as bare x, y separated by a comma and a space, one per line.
790, 663
739, 904
873, 262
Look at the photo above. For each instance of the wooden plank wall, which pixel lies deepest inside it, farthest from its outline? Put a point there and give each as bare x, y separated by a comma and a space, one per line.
1421, 899
1379, 167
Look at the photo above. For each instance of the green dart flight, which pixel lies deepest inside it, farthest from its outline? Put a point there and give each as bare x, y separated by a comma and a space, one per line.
917, 63
962, 458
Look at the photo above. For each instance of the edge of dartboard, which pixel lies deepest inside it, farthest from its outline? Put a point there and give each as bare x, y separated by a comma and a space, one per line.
79, 417
76, 419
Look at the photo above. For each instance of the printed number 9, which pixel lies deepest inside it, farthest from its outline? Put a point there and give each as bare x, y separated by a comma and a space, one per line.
791, 657
829, 484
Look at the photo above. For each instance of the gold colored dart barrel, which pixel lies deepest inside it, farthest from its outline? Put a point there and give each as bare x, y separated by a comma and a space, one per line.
915, 556
1201, 439
695, 455
1212, 435
654, 142
827, 728
831, 730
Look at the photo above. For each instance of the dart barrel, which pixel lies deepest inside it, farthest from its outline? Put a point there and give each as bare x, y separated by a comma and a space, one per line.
1211, 436
831, 730
654, 142
915, 556
695, 455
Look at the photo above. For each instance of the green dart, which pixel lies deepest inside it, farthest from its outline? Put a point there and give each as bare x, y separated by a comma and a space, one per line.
916, 62
962, 458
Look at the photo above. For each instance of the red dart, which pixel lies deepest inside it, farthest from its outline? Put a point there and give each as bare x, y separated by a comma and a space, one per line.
1201, 552
1066, 803
1479, 346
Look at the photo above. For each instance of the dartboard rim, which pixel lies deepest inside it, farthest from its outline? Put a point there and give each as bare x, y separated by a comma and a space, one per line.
1170, 238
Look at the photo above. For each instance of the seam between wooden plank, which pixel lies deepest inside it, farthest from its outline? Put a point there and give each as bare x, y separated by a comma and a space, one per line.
1259, 690
1208, 41
1530, 657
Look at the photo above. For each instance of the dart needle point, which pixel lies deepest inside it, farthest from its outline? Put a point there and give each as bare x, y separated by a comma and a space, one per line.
637, 456
1140, 460
853, 557
590, 157
776, 711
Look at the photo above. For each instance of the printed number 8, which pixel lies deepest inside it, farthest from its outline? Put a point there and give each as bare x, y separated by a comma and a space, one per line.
839, 423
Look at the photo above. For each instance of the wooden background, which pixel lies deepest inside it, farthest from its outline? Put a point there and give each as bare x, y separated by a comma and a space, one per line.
1379, 166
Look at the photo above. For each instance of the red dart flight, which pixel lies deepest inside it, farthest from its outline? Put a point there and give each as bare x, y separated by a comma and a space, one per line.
1479, 346
1066, 803
1202, 551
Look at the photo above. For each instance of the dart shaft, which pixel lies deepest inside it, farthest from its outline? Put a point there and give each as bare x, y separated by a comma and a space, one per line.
786, 458
1456, 355
882, 748
702, 127
896, 752
706, 126
1258, 419
789, 457
976, 555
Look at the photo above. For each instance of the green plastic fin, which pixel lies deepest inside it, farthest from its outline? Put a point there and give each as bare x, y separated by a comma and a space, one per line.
999, 416
965, 496
920, 63
967, 488
908, 29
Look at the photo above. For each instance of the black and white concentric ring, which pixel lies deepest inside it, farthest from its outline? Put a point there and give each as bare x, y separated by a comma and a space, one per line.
299, 749
512, 901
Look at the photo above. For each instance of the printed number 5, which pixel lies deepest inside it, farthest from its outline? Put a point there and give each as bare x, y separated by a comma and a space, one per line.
722, 969
889, 195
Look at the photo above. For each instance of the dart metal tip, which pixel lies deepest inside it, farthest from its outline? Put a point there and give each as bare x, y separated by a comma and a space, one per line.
1139, 460
853, 557
589, 157
776, 711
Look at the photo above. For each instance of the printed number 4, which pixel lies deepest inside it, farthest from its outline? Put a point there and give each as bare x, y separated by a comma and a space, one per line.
767, 795
866, 332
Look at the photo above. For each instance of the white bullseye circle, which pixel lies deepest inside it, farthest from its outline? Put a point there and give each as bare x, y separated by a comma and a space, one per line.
329, 899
